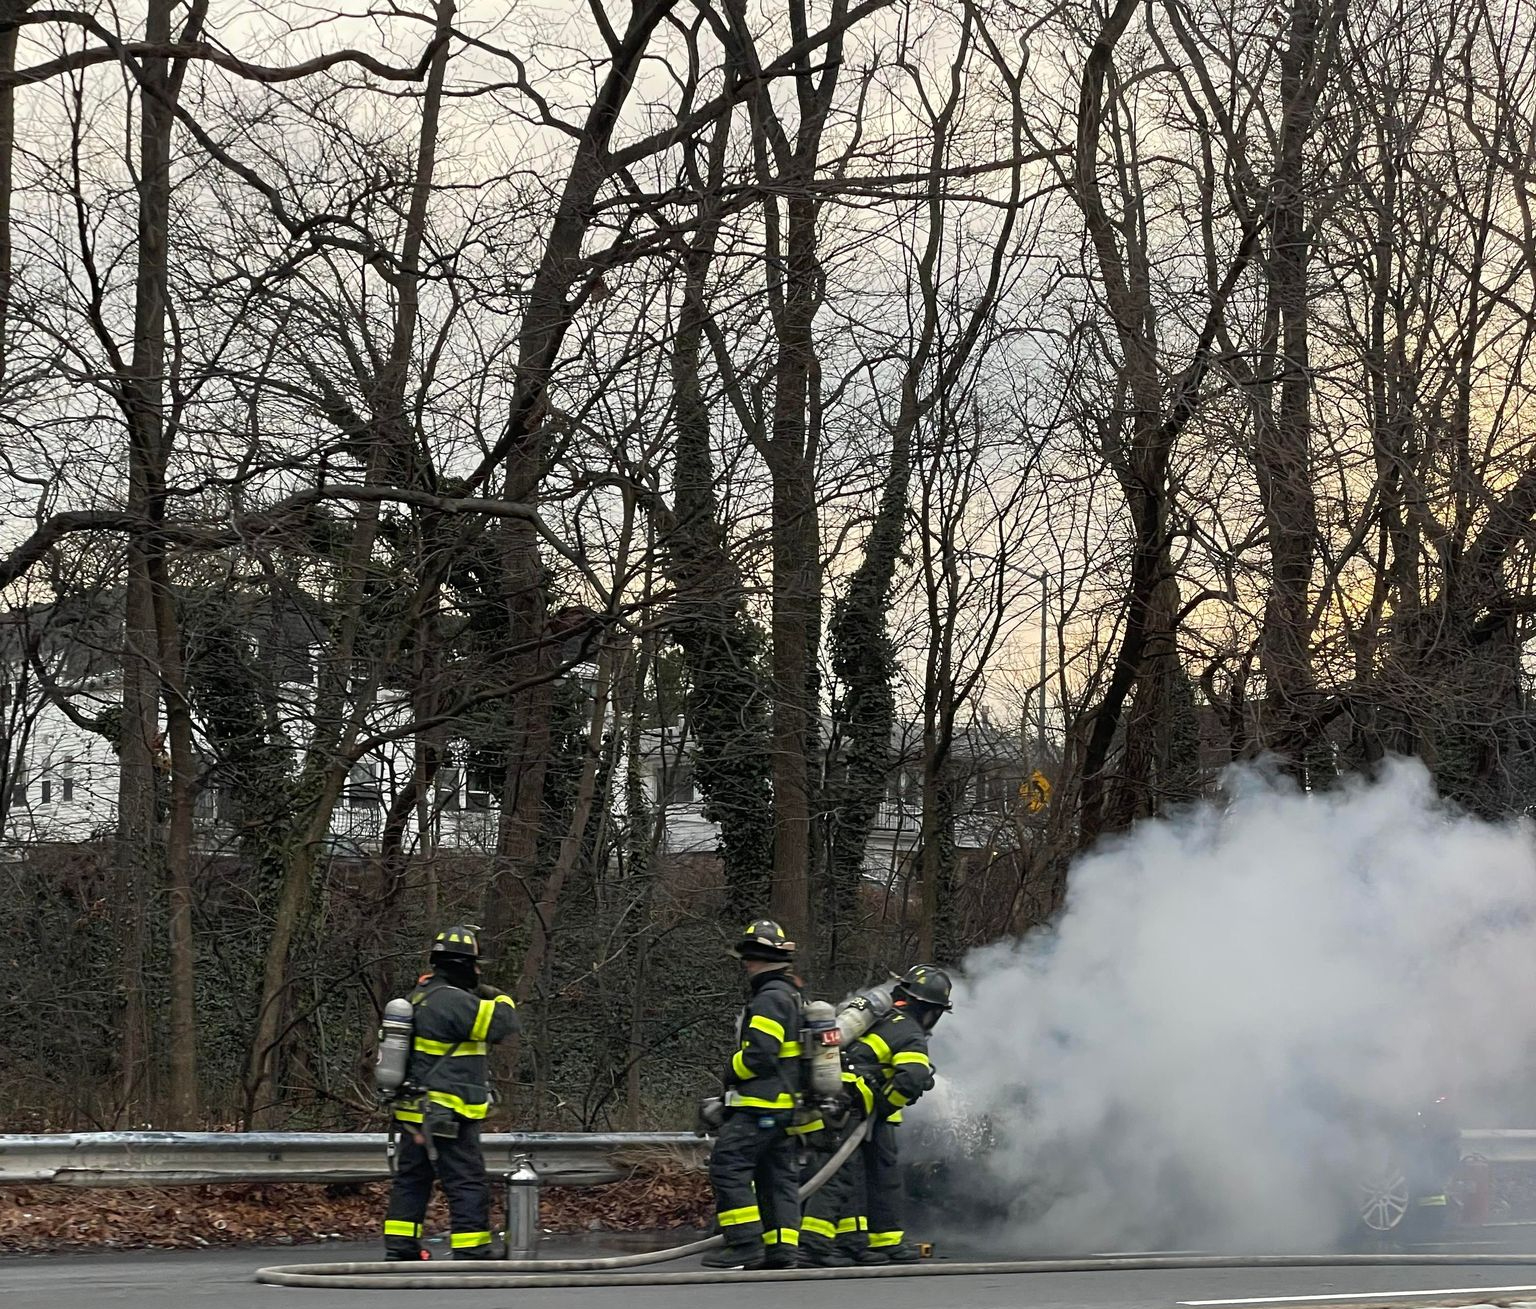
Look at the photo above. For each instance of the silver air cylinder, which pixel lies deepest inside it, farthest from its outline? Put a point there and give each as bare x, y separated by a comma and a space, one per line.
821, 1044
394, 1046
861, 1011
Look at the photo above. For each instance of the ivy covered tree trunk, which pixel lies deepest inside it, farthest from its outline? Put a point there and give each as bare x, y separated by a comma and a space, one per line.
727, 710
864, 663
11, 12
863, 656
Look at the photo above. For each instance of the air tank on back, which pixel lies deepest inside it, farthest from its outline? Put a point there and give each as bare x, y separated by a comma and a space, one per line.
821, 1045
863, 1009
394, 1047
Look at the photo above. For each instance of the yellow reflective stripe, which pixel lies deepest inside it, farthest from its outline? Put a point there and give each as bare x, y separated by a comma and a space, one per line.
423, 1046
400, 1227
789, 1050
912, 1057
783, 1101
819, 1227
782, 1235
483, 1017
846, 1225
761, 1024
739, 1066
736, 1217
879, 1240
878, 1045
468, 1240
897, 1098
893, 1118
405, 1115
805, 1129
458, 1104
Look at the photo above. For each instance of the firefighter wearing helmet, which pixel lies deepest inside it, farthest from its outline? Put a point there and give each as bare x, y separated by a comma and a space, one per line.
752, 1169
891, 1059
446, 1095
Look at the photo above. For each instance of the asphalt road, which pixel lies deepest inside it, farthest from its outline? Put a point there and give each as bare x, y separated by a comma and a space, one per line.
221, 1280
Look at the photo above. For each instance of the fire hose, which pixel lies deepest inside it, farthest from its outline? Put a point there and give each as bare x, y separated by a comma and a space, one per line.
513, 1273
614, 1270
372, 1276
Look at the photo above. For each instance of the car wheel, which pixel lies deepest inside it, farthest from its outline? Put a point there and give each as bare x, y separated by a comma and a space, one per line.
1384, 1199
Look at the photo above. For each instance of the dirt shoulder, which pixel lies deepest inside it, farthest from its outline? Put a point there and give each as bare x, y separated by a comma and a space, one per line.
40, 1219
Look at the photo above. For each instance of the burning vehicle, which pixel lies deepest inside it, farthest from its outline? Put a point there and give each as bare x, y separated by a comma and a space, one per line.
1384, 1178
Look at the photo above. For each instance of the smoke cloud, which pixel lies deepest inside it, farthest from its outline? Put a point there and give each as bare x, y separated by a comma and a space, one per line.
1203, 1052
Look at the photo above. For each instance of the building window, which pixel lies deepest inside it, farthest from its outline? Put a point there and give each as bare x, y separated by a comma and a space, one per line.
479, 788
363, 785
46, 787
67, 789
679, 785
448, 789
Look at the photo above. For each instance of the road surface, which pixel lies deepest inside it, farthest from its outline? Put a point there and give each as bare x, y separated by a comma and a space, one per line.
220, 1279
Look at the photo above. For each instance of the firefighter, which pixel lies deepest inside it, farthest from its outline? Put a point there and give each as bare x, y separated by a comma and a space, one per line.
892, 1060
753, 1166
457, 1019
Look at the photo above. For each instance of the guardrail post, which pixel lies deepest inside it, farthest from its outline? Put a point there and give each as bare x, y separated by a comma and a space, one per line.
522, 1209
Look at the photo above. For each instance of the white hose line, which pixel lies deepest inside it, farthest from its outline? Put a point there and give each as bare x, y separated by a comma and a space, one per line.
486, 1277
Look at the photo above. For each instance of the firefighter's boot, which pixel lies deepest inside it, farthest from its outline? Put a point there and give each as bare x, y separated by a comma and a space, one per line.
739, 1255
399, 1255
903, 1252
824, 1256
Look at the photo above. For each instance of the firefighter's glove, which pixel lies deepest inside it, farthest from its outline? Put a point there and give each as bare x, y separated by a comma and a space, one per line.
835, 1111
711, 1116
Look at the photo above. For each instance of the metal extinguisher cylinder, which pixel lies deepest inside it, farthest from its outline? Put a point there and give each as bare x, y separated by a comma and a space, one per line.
821, 1045
394, 1047
522, 1191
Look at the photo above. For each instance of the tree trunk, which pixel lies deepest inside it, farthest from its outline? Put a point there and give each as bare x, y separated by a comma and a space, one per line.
182, 1109
541, 927
142, 396
11, 12
1282, 448
720, 650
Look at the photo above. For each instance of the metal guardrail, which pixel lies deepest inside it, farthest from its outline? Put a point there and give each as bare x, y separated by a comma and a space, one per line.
188, 1158
559, 1158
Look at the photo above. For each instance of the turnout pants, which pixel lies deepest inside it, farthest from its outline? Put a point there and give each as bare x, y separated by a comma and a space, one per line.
875, 1215
833, 1203
756, 1182
460, 1171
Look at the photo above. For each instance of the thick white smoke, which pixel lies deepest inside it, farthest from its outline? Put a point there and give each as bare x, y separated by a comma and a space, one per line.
1197, 1055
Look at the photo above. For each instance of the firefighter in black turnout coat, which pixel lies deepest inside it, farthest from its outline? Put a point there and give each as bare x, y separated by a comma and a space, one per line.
753, 1167
891, 1059
457, 1020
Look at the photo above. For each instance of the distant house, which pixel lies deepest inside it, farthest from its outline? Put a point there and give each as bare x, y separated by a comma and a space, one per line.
63, 772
